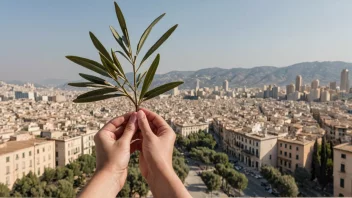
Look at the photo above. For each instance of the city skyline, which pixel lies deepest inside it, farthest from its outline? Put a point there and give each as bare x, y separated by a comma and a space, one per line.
245, 31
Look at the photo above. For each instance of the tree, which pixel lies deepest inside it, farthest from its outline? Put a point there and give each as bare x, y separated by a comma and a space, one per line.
65, 189
220, 158
4, 190
287, 186
60, 173
301, 175
315, 161
75, 167
125, 191
48, 175
331, 150
29, 186
220, 169
323, 177
50, 190
87, 163
211, 180
235, 179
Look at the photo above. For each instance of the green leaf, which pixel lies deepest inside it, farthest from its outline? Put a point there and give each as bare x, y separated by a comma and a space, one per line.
120, 41
141, 78
138, 77
146, 33
123, 55
150, 75
117, 63
123, 25
161, 40
94, 79
86, 84
97, 92
109, 65
96, 98
160, 90
89, 64
99, 46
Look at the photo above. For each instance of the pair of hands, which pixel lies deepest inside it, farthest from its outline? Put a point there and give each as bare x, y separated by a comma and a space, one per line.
119, 138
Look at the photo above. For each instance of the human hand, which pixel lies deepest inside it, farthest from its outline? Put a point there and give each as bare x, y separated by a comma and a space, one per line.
113, 147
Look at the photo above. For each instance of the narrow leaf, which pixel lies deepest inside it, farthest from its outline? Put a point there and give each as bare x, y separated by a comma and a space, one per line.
94, 79
160, 90
117, 63
162, 39
96, 98
146, 33
138, 77
141, 79
97, 92
150, 75
86, 84
100, 47
89, 64
109, 65
122, 54
119, 41
122, 23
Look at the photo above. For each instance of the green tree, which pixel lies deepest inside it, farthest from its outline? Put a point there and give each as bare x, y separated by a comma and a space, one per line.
50, 190
60, 173
65, 189
220, 169
125, 191
4, 190
315, 161
48, 175
331, 150
211, 180
29, 186
302, 175
287, 186
75, 167
323, 177
16, 194
220, 158
235, 179
87, 163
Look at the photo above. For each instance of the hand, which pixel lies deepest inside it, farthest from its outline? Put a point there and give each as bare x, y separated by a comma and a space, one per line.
113, 147
155, 159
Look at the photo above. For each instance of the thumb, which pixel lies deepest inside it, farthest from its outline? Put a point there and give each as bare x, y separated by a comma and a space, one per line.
144, 125
130, 129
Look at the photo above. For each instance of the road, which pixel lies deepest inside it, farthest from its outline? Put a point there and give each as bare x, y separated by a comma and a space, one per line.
196, 186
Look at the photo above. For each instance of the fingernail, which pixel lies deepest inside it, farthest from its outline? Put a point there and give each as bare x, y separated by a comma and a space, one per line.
140, 114
133, 118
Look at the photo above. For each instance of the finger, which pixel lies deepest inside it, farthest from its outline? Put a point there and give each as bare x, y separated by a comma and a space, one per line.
155, 118
130, 129
144, 125
115, 123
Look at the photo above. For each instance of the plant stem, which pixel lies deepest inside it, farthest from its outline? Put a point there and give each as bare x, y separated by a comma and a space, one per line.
135, 84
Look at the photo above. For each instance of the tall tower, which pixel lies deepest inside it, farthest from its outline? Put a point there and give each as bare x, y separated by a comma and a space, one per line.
315, 84
197, 85
298, 82
225, 85
344, 84
290, 88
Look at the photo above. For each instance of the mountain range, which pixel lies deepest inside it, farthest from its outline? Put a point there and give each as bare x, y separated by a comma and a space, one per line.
327, 71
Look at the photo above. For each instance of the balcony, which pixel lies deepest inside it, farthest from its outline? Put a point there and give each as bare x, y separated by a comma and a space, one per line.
248, 152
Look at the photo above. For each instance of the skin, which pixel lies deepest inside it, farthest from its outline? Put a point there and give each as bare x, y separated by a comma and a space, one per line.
118, 139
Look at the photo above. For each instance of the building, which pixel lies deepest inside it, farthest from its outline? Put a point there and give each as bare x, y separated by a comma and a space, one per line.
175, 91
225, 85
197, 85
88, 142
276, 91
298, 82
290, 88
186, 129
294, 152
343, 170
344, 81
332, 85
325, 96
315, 84
67, 149
18, 158
25, 95
314, 95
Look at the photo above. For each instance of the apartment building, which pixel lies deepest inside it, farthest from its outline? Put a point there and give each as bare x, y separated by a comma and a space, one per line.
19, 157
186, 129
88, 142
294, 152
254, 149
67, 149
343, 170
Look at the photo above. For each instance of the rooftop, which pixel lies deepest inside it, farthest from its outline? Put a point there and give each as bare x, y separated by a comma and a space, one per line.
344, 147
11, 146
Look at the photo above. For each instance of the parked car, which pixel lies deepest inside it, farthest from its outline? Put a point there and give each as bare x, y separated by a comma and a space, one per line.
275, 193
258, 176
237, 168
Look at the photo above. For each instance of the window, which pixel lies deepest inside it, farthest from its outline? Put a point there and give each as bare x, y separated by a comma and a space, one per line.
30, 153
257, 143
297, 157
269, 156
37, 151
280, 152
285, 145
7, 159
7, 170
296, 148
296, 165
250, 141
57, 154
16, 156
43, 158
43, 149
23, 165
37, 160
290, 147
49, 157
68, 153
23, 155
289, 155
343, 156
280, 144
57, 163
289, 164
281, 161
341, 195
30, 163
342, 183
285, 153
285, 163
342, 168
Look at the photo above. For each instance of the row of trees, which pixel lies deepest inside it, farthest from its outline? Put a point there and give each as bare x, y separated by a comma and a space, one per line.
322, 163
200, 139
285, 183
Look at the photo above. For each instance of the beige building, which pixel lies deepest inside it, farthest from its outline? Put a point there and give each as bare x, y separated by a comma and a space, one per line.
67, 149
18, 158
88, 142
294, 152
343, 170
186, 129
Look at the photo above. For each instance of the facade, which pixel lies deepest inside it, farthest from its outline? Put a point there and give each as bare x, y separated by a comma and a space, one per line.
18, 158
294, 153
325, 96
225, 85
186, 129
315, 84
290, 89
332, 85
175, 91
88, 142
67, 149
197, 85
344, 81
276, 91
314, 95
298, 82
343, 170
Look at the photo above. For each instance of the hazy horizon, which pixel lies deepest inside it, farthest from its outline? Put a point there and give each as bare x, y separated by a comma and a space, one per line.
37, 35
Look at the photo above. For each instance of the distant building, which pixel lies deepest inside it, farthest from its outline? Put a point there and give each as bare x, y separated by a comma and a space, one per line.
18, 158
276, 91
225, 85
290, 89
175, 91
325, 96
343, 170
298, 82
189, 128
314, 95
67, 149
59, 98
315, 84
197, 85
332, 85
25, 95
344, 81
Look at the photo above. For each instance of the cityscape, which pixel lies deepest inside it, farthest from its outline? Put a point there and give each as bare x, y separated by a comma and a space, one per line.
42, 128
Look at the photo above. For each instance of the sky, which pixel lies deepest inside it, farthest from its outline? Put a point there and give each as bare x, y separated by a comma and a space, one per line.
35, 36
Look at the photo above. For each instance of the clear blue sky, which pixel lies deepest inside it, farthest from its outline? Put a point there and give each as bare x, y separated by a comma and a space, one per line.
36, 35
